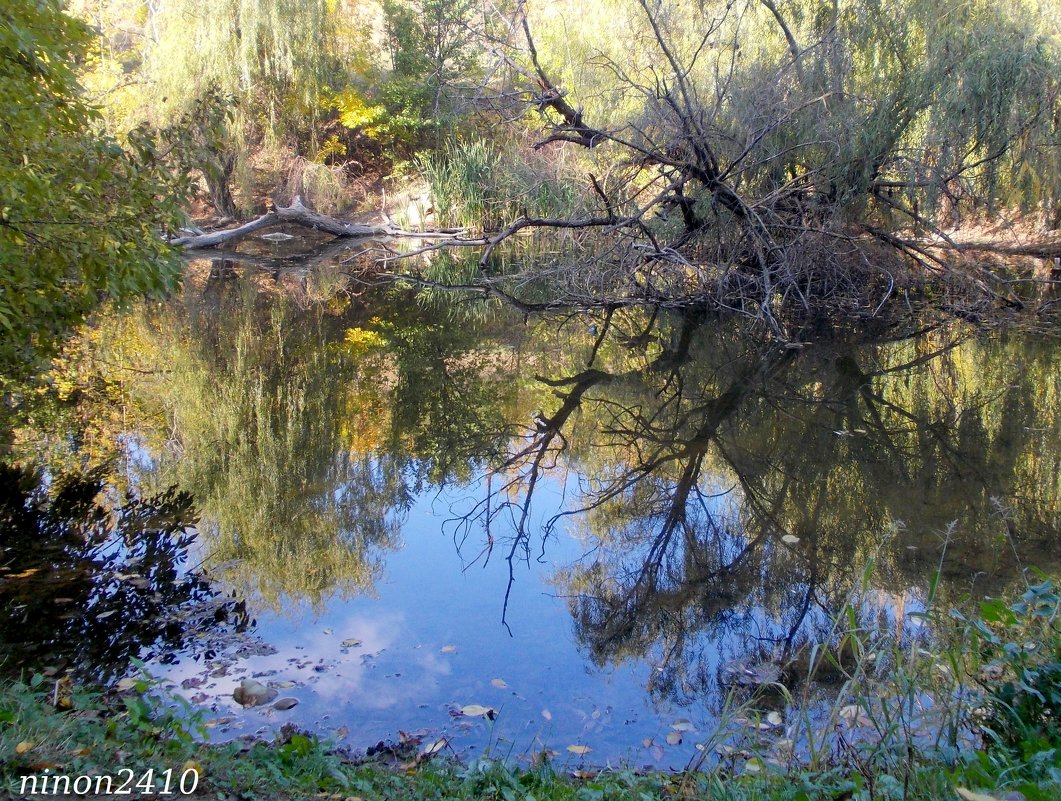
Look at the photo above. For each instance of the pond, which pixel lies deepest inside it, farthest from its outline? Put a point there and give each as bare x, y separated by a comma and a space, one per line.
590, 526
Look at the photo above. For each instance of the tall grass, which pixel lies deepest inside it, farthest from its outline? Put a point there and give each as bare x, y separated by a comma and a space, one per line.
486, 186
957, 705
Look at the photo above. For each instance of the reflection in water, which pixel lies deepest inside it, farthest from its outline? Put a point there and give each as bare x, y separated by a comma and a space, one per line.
729, 490
87, 589
726, 494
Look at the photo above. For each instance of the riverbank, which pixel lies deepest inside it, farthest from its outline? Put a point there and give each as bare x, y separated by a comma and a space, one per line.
975, 720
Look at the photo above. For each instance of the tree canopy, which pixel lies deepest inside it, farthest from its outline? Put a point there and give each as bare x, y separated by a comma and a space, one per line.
80, 212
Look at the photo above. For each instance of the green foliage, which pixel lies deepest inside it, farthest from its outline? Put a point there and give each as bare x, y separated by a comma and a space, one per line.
80, 215
1021, 646
431, 44
431, 49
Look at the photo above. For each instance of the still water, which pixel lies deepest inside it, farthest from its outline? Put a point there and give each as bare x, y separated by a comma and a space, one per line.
594, 526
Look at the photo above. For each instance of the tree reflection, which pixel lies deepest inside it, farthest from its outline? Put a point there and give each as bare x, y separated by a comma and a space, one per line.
729, 493
306, 429
728, 490
87, 588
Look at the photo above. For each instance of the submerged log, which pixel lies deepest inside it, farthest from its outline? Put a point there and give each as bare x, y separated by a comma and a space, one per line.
298, 214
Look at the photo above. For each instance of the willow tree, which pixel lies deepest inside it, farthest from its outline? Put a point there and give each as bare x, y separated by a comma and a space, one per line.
80, 214
268, 60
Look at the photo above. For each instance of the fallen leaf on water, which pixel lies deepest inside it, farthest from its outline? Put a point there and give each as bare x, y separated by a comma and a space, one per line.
478, 711
327, 631
674, 738
774, 719
435, 747
647, 742
790, 539
285, 704
449, 649
854, 716
751, 675
23, 747
341, 733
499, 683
351, 643
581, 750
657, 753
547, 714
682, 725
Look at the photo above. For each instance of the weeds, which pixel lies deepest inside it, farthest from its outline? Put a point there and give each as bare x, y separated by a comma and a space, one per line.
973, 718
475, 185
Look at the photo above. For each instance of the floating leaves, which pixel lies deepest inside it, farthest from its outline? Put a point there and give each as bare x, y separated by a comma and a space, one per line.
579, 750
435, 747
501, 684
674, 738
449, 649
547, 714
285, 704
478, 711
681, 724
752, 675
853, 715
353, 642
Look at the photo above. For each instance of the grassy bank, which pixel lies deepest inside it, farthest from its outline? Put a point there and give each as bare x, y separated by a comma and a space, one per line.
975, 717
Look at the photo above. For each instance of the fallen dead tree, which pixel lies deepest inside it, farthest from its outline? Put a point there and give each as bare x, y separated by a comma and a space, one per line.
299, 214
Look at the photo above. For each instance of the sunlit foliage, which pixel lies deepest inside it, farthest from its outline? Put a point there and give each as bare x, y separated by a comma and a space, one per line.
80, 214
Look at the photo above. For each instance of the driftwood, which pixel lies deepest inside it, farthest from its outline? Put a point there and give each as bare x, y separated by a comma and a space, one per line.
1048, 249
298, 214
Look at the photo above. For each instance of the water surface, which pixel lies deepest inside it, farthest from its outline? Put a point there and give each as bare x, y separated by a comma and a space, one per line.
595, 525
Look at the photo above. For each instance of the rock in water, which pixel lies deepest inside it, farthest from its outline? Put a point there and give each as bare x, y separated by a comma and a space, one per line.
253, 693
